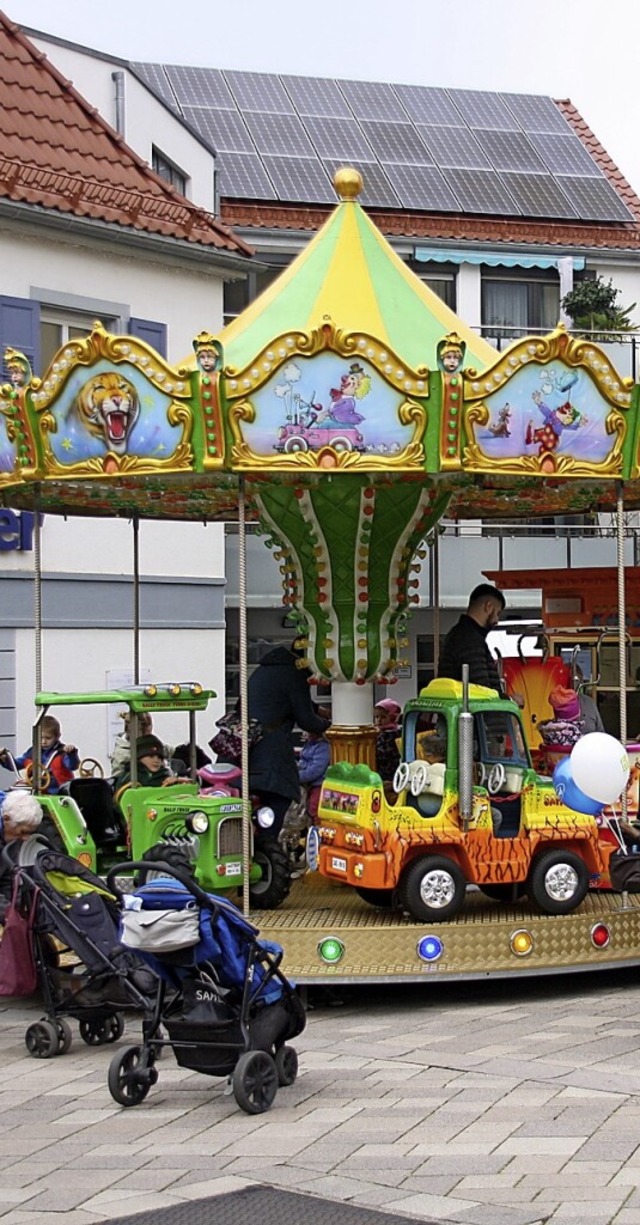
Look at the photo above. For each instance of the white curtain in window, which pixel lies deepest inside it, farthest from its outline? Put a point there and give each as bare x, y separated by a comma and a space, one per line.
505, 305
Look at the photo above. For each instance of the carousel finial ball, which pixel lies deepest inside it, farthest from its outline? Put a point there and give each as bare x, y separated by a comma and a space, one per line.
348, 183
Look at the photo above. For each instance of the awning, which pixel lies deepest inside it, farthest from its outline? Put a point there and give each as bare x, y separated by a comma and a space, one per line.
439, 255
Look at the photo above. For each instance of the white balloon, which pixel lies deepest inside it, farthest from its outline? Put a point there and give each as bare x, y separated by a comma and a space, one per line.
600, 767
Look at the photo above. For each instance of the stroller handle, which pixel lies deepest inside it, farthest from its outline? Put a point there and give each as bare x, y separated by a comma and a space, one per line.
158, 865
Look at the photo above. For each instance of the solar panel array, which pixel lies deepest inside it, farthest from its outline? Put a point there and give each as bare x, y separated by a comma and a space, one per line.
417, 147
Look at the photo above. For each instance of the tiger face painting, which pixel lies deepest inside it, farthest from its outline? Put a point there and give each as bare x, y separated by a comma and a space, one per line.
109, 407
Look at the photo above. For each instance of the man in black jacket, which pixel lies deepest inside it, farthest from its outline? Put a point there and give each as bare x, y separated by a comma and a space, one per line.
466, 642
279, 697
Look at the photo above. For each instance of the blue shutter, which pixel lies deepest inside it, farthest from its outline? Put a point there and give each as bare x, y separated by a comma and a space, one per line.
154, 334
20, 328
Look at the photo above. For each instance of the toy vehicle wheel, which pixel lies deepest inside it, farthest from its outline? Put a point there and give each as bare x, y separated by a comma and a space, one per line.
433, 888
286, 1061
65, 1036
558, 881
175, 856
504, 893
383, 898
255, 1082
102, 1031
128, 1082
42, 1040
273, 888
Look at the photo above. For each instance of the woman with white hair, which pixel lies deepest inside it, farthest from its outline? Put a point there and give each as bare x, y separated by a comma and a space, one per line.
21, 816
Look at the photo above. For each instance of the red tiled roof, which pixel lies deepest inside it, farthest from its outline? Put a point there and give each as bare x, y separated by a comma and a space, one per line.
600, 155
58, 153
456, 227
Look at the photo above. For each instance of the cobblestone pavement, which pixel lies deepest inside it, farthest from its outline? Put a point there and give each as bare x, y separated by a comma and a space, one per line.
493, 1103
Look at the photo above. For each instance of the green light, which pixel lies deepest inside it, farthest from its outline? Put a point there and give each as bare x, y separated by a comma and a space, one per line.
331, 950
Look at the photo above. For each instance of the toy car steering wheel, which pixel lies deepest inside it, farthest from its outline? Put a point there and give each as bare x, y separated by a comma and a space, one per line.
90, 768
173, 779
401, 777
45, 775
481, 773
120, 792
419, 778
497, 778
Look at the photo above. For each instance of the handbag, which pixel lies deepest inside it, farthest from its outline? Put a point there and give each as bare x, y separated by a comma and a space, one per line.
624, 872
159, 931
18, 973
227, 742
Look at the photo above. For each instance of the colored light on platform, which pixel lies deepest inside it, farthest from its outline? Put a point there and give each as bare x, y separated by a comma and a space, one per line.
331, 950
151, 691
358, 871
430, 948
521, 943
600, 935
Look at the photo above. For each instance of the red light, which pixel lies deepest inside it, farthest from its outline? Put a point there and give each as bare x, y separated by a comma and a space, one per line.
221, 870
600, 935
375, 801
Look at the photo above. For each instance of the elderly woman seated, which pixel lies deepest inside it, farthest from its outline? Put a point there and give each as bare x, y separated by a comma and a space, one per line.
21, 839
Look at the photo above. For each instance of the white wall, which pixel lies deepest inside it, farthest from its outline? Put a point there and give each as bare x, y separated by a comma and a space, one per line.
147, 121
78, 661
186, 298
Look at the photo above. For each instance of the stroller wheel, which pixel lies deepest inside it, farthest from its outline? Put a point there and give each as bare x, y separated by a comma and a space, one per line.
286, 1061
255, 1082
100, 1032
128, 1082
42, 1040
65, 1036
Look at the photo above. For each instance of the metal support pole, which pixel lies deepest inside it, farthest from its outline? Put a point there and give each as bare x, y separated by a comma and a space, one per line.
37, 624
136, 600
435, 598
244, 702
622, 625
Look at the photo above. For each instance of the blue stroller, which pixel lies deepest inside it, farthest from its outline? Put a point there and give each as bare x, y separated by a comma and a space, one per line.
221, 997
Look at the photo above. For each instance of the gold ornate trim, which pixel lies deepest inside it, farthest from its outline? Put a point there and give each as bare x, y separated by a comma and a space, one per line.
544, 349
102, 344
241, 383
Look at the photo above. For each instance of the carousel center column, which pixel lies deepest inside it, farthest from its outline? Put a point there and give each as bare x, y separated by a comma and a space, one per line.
352, 735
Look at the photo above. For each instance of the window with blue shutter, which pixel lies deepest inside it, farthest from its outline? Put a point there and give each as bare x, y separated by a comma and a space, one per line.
20, 329
154, 334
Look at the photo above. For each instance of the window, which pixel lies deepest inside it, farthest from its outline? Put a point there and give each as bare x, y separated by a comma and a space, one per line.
239, 294
425, 661
168, 171
440, 278
513, 307
57, 327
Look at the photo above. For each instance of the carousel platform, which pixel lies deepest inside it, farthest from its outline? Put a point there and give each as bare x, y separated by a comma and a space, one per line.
330, 935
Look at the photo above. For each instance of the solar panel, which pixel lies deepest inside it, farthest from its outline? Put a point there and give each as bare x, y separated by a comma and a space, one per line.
509, 150
396, 142
481, 191
199, 86
279, 134
243, 175
535, 114
338, 138
300, 178
565, 154
316, 96
373, 100
424, 104
259, 91
538, 195
377, 191
595, 199
225, 129
483, 110
421, 187
155, 76
454, 147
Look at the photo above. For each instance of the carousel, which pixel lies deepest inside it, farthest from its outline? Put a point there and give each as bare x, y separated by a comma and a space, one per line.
345, 412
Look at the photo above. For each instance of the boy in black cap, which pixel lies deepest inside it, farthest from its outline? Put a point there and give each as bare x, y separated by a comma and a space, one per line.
152, 768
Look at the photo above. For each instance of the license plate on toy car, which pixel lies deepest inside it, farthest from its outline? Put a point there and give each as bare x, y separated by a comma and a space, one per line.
233, 869
338, 865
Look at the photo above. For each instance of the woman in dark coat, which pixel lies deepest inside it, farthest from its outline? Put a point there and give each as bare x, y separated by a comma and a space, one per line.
279, 697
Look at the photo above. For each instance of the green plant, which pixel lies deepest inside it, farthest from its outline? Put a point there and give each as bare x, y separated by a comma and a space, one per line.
593, 306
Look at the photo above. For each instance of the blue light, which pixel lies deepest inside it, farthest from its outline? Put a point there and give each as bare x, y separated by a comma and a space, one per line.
430, 948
